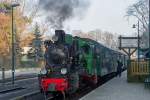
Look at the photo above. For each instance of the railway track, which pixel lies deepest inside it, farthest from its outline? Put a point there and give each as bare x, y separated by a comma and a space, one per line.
21, 87
36, 95
18, 78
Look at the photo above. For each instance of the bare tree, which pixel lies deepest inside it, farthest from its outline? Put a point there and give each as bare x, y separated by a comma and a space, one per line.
140, 10
20, 21
106, 38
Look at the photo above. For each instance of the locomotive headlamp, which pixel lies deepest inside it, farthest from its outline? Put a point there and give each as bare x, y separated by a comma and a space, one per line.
55, 38
43, 71
64, 71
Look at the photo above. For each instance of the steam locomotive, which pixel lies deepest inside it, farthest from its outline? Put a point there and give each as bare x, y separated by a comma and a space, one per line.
72, 61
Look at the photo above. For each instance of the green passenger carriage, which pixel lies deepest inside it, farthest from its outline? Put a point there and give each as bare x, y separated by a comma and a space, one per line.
97, 59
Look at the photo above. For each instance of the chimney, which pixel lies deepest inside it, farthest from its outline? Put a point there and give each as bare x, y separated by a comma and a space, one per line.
61, 35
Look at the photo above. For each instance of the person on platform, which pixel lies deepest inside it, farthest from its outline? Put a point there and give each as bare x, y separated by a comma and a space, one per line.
119, 68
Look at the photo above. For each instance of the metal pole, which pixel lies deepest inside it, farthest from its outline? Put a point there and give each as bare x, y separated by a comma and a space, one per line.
138, 41
13, 53
129, 65
3, 75
149, 36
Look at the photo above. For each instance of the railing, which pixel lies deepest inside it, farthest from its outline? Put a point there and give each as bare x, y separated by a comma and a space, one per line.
139, 68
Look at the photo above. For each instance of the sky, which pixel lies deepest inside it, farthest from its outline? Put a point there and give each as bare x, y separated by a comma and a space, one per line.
107, 15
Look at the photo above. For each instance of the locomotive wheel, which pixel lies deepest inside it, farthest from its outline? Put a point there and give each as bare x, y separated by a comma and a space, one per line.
59, 95
95, 79
55, 94
64, 95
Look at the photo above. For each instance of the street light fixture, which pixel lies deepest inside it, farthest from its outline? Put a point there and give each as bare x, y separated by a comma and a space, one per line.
14, 4
149, 37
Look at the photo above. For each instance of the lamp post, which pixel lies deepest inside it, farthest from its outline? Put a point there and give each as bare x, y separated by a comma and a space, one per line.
149, 37
138, 31
13, 48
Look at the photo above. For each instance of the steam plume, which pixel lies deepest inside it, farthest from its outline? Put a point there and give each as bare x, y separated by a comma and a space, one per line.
58, 11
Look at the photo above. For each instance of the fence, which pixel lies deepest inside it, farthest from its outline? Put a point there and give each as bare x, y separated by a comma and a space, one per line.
139, 68
137, 71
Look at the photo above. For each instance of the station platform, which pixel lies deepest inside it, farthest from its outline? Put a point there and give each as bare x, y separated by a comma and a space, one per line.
119, 89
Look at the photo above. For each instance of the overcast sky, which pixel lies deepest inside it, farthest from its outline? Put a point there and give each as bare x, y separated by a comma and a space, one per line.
107, 15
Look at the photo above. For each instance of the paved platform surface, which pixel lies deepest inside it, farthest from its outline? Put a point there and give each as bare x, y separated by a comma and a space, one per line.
119, 89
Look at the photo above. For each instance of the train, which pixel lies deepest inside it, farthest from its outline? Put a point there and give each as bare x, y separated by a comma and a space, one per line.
71, 61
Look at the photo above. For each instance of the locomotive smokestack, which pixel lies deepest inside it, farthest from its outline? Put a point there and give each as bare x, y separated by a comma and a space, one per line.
61, 35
